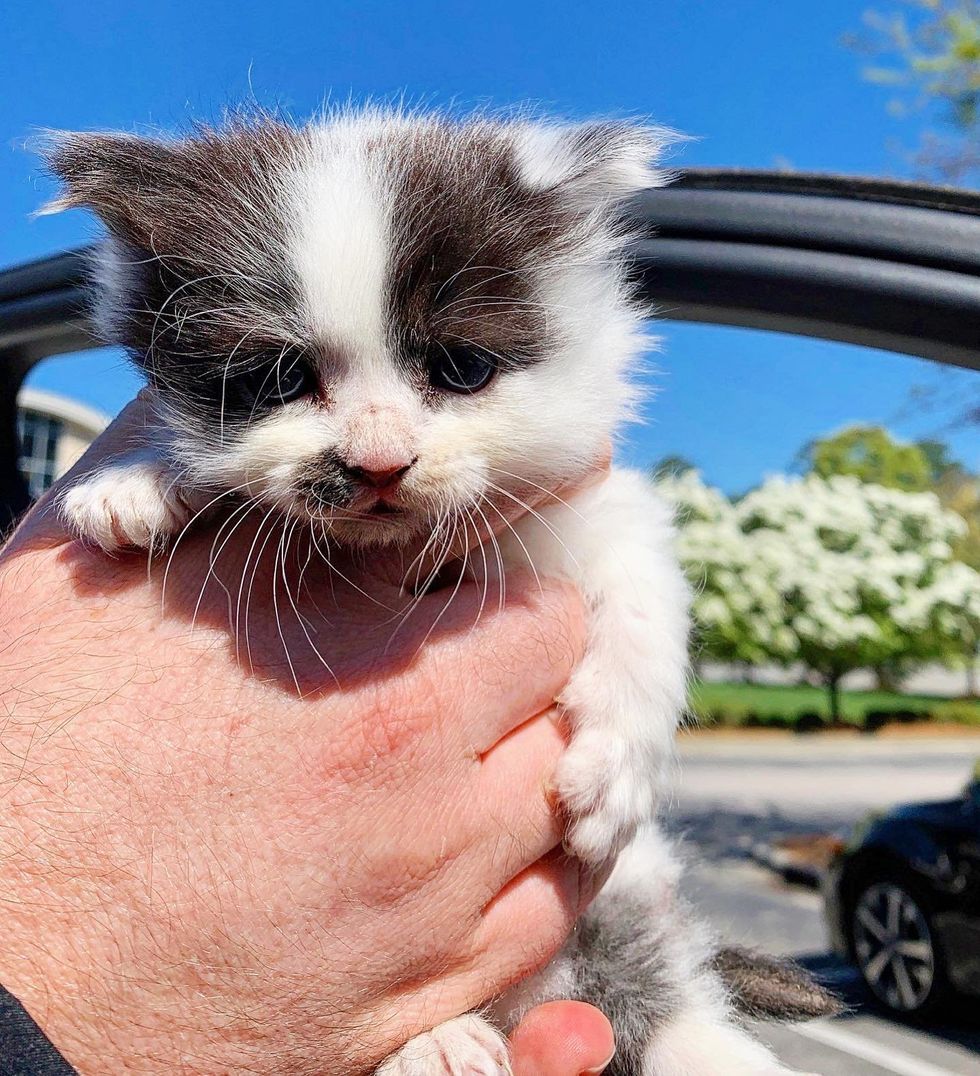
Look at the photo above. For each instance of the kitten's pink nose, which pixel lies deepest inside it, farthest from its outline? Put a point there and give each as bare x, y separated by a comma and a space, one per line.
380, 478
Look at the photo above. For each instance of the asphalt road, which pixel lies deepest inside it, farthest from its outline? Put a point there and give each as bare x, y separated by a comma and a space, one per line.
733, 794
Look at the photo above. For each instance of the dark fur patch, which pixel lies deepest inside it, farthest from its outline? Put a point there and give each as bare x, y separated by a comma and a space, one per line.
627, 964
469, 236
200, 230
769, 989
326, 483
623, 968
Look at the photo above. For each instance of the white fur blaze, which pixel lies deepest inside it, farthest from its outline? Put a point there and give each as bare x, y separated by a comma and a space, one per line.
466, 1046
133, 503
341, 242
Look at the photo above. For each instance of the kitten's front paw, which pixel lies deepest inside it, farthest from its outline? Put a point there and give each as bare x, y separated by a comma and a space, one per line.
127, 505
607, 795
466, 1046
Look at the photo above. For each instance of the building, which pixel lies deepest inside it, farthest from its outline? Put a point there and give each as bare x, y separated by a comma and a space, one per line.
53, 431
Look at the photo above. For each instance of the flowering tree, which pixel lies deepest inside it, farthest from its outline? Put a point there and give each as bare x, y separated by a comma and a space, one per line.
834, 573
730, 621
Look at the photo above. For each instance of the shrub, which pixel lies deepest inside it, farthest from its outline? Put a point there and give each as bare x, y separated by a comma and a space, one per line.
875, 719
809, 721
959, 713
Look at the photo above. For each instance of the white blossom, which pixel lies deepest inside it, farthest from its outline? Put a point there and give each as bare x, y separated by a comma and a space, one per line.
833, 572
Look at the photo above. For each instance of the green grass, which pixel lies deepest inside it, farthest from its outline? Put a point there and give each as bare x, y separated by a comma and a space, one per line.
737, 704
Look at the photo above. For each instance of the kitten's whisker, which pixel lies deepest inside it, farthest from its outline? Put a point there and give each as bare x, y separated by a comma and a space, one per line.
486, 567
438, 563
186, 527
350, 582
299, 615
504, 360
241, 586
520, 541
496, 550
490, 302
224, 385
243, 511
452, 597
469, 267
173, 295
275, 606
540, 518
308, 532
418, 561
324, 552
255, 572
543, 489
309, 557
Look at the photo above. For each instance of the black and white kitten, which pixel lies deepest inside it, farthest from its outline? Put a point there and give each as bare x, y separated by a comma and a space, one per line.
376, 322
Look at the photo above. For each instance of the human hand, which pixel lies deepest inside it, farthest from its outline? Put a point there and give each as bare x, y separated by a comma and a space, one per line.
203, 869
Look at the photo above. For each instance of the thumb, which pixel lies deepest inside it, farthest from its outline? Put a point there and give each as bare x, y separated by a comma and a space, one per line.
562, 1038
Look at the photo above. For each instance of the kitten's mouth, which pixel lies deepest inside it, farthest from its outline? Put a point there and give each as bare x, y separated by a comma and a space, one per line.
384, 508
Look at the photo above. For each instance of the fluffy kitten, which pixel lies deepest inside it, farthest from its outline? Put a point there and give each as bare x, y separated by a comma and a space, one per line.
378, 318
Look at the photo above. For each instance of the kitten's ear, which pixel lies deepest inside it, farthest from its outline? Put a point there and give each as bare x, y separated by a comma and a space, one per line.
121, 177
592, 164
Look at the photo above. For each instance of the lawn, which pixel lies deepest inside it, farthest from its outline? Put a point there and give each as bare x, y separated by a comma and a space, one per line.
737, 704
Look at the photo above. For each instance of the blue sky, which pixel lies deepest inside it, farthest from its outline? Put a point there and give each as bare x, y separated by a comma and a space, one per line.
759, 84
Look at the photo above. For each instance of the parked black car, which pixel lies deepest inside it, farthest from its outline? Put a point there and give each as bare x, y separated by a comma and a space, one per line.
903, 902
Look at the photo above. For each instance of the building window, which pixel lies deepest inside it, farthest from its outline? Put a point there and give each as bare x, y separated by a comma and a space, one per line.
39, 435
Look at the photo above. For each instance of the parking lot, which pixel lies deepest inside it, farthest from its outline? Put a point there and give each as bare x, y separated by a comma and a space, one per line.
735, 795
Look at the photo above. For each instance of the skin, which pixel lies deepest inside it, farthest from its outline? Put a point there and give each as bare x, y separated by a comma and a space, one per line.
203, 871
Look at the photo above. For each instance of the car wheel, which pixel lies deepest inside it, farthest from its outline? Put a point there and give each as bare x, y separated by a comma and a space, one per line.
895, 947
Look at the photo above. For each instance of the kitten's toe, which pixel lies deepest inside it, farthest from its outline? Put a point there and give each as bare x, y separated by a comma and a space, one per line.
605, 796
466, 1046
126, 506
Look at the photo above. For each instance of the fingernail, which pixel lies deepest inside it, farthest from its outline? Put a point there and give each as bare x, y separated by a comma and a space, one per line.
601, 1068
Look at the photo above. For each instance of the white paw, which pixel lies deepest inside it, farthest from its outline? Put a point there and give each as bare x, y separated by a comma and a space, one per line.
466, 1046
131, 504
607, 794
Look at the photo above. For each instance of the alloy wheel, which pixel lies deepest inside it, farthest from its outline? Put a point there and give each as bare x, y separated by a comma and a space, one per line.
894, 947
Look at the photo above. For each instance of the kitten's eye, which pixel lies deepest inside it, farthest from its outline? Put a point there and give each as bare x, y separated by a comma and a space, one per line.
287, 378
292, 378
461, 369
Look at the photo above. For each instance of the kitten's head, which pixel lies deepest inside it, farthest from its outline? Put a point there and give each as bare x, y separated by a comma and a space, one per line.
376, 319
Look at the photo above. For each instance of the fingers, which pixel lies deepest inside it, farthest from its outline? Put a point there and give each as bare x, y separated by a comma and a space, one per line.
519, 823
529, 920
562, 1038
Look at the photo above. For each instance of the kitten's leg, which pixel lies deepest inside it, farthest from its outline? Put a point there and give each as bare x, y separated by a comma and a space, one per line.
625, 699
466, 1046
134, 502
637, 954
641, 956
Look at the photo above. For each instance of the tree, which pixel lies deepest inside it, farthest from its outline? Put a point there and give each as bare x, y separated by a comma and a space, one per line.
871, 454
928, 52
671, 467
831, 572
716, 557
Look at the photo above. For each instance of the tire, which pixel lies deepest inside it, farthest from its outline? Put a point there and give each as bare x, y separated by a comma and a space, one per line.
894, 944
